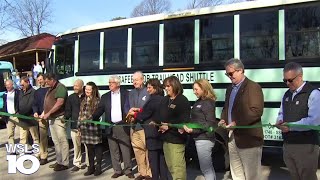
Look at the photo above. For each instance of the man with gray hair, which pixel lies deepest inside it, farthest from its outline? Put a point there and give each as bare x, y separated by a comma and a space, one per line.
115, 105
244, 107
10, 105
300, 105
137, 98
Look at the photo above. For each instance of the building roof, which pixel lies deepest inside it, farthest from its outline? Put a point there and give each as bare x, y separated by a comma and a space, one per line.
42, 41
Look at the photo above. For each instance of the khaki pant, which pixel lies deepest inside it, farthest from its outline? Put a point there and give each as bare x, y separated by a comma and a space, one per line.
11, 125
245, 164
24, 131
175, 159
301, 160
43, 132
59, 137
77, 156
138, 141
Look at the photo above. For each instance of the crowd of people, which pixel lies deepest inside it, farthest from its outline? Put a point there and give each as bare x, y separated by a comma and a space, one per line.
158, 147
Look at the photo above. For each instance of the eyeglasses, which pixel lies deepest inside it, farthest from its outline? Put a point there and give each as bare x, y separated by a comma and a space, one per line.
290, 80
230, 74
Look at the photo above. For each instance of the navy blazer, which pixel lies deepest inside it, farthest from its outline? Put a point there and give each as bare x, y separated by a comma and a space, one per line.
150, 112
16, 103
105, 107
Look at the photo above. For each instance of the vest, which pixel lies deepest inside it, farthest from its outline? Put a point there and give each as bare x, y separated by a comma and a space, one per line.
50, 101
294, 110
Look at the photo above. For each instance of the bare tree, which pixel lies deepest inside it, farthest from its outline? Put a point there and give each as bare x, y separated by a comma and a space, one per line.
4, 16
31, 16
203, 3
148, 7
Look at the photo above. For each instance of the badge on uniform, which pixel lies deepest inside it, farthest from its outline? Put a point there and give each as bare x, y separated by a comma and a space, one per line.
144, 98
287, 99
297, 102
199, 106
172, 106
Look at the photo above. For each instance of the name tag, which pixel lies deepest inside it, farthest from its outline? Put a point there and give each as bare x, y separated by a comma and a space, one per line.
198, 106
144, 98
287, 99
172, 106
297, 102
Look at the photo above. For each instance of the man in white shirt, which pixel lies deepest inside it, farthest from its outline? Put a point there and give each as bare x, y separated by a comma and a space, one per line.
10, 105
115, 105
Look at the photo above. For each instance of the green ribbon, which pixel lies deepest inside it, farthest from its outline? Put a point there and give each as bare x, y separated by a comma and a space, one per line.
17, 115
178, 126
192, 126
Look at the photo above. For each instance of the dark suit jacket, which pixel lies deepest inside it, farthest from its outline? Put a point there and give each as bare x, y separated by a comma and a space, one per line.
247, 110
16, 103
105, 107
150, 112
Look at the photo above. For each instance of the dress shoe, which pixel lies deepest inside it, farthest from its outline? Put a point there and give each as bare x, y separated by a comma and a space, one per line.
89, 172
75, 168
43, 161
60, 167
148, 178
139, 178
53, 165
98, 171
116, 175
130, 176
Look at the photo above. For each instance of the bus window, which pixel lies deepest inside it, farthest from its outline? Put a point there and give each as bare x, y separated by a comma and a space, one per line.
302, 32
179, 42
259, 35
216, 38
89, 51
115, 48
145, 45
64, 60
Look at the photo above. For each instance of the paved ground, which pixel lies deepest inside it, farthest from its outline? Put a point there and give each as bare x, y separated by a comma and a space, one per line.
273, 168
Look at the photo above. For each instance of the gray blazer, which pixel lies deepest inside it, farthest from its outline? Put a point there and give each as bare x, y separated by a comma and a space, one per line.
137, 98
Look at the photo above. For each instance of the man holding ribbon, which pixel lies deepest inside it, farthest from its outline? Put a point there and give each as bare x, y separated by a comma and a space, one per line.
115, 105
137, 98
300, 106
243, 107
54, 103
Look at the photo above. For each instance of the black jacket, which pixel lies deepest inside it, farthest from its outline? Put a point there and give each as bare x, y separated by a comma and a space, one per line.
174, 112
25, 105
203, 112
16, 103
150, 112
72, 109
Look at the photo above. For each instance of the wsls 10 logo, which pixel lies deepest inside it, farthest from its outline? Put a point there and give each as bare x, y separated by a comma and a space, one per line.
15, 163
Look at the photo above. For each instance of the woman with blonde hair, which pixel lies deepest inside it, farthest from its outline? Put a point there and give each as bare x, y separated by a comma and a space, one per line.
203, 113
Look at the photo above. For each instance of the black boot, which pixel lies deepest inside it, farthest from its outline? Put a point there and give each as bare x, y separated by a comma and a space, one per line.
90, 171
98, 171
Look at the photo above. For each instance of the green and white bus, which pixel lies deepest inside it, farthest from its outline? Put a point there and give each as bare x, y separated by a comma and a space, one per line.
195, 44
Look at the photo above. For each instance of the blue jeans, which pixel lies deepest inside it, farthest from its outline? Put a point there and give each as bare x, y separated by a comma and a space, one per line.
204, 150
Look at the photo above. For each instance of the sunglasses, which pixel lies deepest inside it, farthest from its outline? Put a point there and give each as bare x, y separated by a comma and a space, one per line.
290, 80
230, 74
